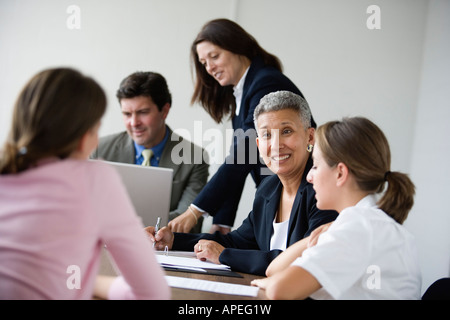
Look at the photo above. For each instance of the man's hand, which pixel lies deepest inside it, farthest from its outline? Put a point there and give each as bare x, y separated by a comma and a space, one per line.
163, 238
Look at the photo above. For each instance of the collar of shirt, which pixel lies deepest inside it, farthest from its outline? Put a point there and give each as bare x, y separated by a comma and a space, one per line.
157, 151
368, 201
238, 90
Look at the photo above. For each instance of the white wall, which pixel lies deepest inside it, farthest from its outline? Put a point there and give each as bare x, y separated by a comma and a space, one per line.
430, 217
341, 66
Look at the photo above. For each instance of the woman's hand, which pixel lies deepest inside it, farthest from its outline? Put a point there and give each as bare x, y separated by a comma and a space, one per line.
221, 229
186, 221
208, 250
261, 283
314, 236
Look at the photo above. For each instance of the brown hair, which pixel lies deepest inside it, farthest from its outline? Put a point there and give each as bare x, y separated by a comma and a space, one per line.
219, 101
150, 84
363, 148
53, 111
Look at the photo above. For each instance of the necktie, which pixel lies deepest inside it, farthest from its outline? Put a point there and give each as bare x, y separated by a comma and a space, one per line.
147, 154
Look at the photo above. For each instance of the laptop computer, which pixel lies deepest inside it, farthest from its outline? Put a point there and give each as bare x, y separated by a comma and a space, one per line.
149, 188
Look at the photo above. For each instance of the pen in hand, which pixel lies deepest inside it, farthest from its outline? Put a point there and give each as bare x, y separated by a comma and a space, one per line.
158, 222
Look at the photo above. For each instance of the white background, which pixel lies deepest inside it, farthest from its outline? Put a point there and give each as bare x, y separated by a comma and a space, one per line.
397, 76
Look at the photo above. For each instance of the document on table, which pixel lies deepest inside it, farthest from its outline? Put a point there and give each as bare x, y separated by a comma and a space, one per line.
176, 253
212, 286
187, 262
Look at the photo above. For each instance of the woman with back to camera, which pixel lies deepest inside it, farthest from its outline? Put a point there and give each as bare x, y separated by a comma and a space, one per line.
366, 253
58, 210
233, 72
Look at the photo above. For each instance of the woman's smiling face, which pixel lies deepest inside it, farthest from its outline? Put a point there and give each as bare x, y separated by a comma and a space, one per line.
283, 141
323, 179
224, 66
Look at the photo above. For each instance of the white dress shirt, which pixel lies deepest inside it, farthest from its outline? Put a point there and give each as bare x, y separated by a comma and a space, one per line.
365, 254
238, 90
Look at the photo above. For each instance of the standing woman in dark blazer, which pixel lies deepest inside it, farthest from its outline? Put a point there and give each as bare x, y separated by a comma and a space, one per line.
232, 73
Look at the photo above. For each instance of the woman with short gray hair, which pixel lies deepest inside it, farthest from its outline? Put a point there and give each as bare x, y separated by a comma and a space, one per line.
284, 208
281, 100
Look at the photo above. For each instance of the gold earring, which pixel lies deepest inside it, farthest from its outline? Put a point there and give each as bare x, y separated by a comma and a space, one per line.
309, 148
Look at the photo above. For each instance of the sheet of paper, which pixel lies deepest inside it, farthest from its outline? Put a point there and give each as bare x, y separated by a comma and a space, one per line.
186, 254
188, 262
212, 286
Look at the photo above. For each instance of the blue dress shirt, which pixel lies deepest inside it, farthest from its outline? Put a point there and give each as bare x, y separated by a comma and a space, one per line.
157, 151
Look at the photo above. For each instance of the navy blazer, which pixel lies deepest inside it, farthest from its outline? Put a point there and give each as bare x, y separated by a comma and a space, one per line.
248, 247
221, 195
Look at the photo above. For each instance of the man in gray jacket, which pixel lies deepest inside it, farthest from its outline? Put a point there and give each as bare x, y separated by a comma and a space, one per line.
145, 102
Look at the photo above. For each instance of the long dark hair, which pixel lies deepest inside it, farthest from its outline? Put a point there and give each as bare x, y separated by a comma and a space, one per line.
53, 111
219, 101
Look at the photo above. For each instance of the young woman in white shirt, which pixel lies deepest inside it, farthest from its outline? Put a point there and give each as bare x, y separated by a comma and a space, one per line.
366, 253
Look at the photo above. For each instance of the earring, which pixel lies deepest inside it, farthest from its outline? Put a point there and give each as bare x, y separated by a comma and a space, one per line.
309, 148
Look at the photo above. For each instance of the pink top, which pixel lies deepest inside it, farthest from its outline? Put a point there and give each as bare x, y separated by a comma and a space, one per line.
54, 220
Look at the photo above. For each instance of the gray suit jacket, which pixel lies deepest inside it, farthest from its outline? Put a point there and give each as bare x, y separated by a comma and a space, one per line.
178, 154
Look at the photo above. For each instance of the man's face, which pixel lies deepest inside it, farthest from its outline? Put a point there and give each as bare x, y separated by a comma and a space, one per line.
143, 121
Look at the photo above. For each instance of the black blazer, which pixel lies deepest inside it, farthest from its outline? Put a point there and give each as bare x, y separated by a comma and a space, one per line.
248, 247
221, 195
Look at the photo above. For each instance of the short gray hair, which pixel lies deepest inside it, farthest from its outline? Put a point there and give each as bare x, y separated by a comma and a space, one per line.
281, 100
